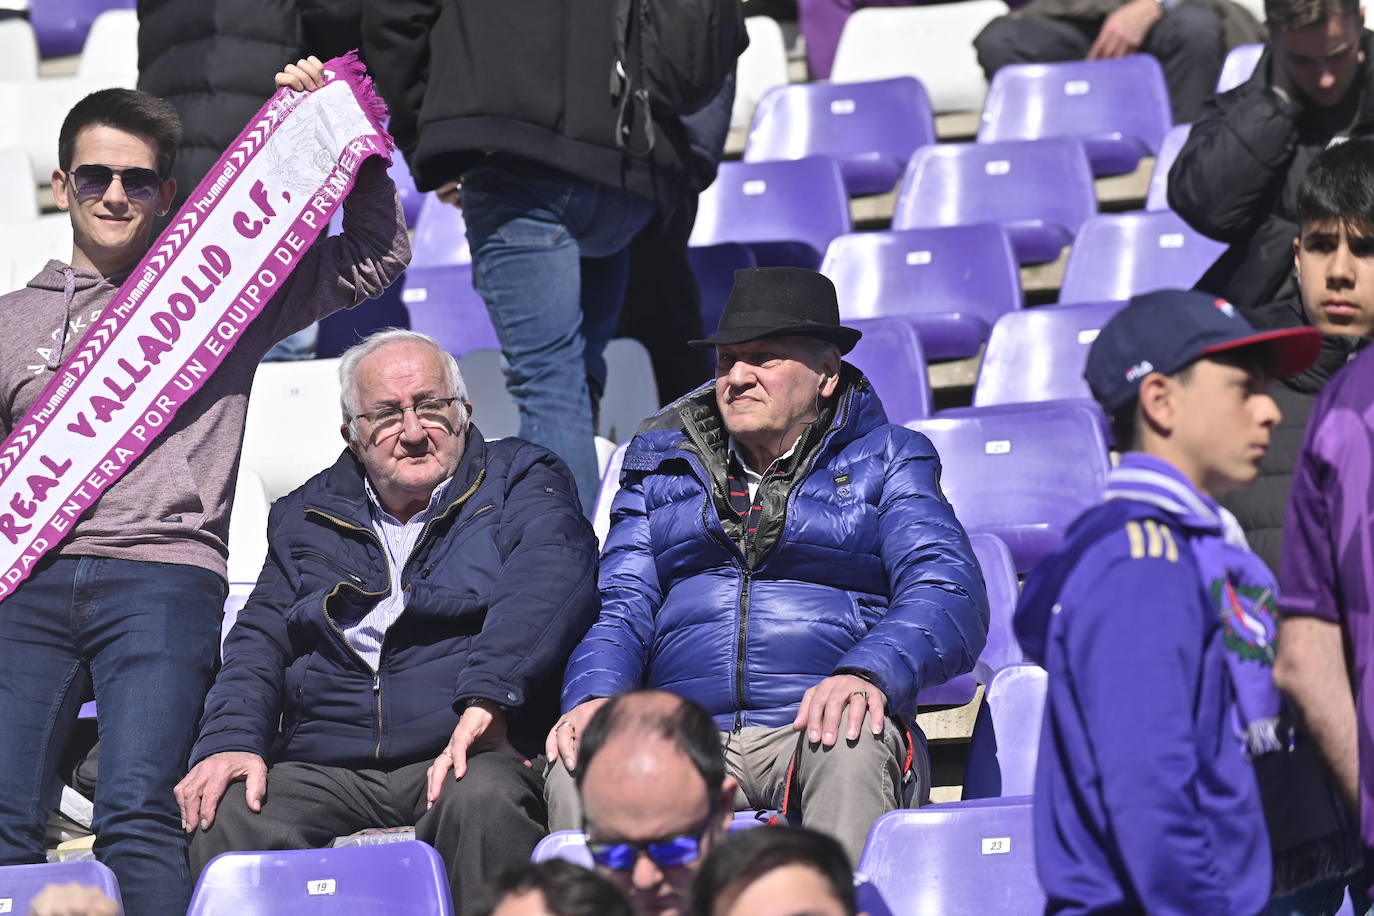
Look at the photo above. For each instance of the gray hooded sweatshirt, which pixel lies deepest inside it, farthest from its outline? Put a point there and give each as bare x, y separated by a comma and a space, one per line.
173, 505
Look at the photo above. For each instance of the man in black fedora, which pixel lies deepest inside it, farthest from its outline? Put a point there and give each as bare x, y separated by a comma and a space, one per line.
783, 555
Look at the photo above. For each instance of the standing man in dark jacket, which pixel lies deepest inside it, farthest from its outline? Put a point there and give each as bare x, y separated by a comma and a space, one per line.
782, 555
400, 657
1236, 179
515, 99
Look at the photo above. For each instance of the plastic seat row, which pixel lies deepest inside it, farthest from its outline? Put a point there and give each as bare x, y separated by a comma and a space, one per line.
1119, 109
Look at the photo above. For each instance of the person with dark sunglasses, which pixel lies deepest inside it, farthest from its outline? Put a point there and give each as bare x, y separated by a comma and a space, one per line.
128, 606
655, 797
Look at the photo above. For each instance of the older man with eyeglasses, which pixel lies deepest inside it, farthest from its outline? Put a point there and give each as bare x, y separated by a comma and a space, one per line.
400, 659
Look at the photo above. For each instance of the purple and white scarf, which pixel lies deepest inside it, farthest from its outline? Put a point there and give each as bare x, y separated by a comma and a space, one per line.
1241, 587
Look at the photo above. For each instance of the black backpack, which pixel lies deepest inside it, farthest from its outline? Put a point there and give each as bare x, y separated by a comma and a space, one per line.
671, 56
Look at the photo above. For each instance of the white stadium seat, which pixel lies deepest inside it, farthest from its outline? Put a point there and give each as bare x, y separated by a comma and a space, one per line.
932, 43
110, 54
292, 431
762, 67
18, 50
18, 193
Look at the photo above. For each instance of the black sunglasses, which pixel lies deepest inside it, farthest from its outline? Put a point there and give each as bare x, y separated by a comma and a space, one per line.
94, 181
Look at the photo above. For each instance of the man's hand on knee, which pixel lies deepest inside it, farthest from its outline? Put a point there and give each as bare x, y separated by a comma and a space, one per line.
561, 744
482, 727
199, 793
823, 706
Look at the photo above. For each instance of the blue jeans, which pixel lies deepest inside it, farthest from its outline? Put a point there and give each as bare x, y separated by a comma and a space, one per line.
550, 259
146, 637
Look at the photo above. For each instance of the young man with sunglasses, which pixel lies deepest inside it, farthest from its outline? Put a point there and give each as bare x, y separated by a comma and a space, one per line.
129, 605
655, 797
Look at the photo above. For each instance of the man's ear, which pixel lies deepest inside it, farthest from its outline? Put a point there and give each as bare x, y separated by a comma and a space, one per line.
59, 189
348, 440
725, 802
1297, 249
165, 195
1157, 402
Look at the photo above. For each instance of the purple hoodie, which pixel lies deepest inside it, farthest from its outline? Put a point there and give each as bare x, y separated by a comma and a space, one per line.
173, 505
1144, 800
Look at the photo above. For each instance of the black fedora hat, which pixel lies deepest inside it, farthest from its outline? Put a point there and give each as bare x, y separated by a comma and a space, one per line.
781, 302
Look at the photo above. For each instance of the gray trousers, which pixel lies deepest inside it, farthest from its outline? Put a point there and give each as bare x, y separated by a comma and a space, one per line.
482, 824
843, 789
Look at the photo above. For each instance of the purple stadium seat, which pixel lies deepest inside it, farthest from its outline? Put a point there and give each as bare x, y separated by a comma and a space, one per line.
1158, 196
1119, 255
871, 128
952, 282
1038, 354
958, 859
403, 877
571, 845
890, 355
1006, 735
1240, 64
412, 199
438, 290
61, 25
19, 884
346, 327
714, 267
786, 212
1039, 191
1002, 649
1119, 108
1022, 472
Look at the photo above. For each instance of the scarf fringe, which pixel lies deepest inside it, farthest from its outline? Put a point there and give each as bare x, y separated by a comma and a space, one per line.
349, 67
1262, 737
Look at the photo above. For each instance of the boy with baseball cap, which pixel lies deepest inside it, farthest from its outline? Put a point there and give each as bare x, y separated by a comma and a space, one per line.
1156, 624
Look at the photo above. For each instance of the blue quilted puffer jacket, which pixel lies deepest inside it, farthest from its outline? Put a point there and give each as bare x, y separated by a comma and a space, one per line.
859, 566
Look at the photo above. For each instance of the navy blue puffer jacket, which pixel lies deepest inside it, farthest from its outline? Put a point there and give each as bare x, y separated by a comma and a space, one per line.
859, 566
502, 584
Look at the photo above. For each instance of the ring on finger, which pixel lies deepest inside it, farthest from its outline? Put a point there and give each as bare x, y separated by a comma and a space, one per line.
860, 693
568, 723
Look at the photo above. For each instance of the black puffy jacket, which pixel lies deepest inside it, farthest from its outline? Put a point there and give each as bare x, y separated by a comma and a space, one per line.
1236, 179
214, 61
530, 78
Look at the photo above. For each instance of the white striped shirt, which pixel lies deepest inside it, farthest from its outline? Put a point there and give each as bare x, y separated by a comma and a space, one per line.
398, 540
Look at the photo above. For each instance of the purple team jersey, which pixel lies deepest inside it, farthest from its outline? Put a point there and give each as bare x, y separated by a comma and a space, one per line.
1328, 541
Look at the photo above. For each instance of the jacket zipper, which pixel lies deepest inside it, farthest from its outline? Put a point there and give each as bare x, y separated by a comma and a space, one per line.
381, 649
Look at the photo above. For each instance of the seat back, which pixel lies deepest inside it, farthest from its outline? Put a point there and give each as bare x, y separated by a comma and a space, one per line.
1239, 65
870, 128
1018, 184
1157, 198
1038, 354
438, 293
631, 394
953, 281
1022, 472
932, 43
110, 51
493, 408
1119, 255
18, 50
405, 877
890, 354
19, 197
1120, 103
999, 578
956, 859
787, 212
292, 429
714, 267
19, 884
248, 528
605, 494
761, 68
62, 25
412, 198
1006, 734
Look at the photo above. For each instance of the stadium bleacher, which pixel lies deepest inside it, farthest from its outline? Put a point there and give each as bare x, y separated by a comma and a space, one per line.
939, 283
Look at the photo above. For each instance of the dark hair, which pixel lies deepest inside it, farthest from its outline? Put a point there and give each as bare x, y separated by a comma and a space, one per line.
567, 889
127, 110
1297, 14
677, 720
1339, 187
747, 855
